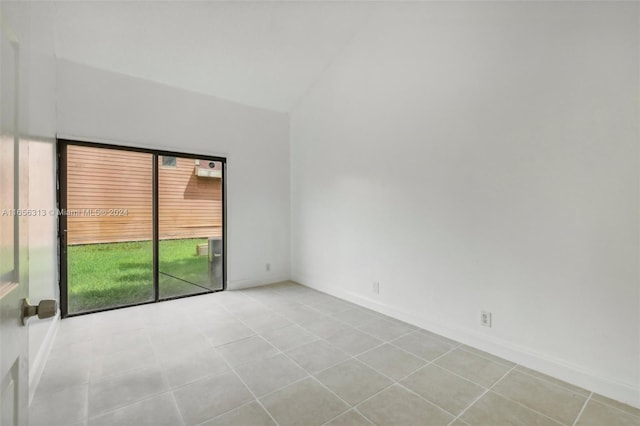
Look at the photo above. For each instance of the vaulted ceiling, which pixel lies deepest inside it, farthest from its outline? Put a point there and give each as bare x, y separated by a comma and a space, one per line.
262, 54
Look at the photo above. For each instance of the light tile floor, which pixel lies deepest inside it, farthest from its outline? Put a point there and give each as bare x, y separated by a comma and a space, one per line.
287, 355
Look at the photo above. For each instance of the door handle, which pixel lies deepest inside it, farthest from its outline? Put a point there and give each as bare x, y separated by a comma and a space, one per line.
44, 309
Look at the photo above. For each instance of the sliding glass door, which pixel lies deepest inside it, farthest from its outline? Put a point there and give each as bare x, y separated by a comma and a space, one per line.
137, 226
109, 228
190, 225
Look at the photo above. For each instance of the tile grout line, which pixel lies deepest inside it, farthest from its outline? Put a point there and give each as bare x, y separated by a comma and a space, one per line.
432, 362
363, 416
132, 402
540, 413
335, 417
588, 395
466, 378
386, 318
377, 317
349, 405
586, 401
233, 370
281, 292
354, 358
506, 363
313, 377
86, 417
479, 397
121, 407
255, 398
420, 357
92, 356
490, 388
380, 372
425, 399
606, 404
428, 362
394, 383
280, 352
175, 401
309, 375
157, 364
226, 412
518, 402
617, 408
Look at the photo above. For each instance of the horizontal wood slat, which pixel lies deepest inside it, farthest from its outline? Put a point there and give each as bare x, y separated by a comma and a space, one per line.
99, 178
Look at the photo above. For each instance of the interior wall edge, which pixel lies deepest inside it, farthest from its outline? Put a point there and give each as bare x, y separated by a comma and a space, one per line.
628, 393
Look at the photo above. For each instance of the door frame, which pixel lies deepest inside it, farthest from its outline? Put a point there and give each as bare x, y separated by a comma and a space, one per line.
61, 204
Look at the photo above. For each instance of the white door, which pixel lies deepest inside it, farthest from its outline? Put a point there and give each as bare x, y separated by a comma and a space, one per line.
14, 153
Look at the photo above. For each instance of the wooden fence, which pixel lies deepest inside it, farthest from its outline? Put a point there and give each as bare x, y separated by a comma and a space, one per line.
109, 195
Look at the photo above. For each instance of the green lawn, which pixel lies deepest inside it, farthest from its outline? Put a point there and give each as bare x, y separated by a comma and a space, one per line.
107, 275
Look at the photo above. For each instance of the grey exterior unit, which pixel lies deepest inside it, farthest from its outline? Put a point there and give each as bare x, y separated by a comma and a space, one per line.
216, 262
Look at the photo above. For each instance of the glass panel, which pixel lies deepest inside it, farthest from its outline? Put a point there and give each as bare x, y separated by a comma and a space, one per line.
109, 228
190, 227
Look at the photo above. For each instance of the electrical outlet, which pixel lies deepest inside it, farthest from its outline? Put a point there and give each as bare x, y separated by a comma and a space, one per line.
485, 318
267, 267
376, 287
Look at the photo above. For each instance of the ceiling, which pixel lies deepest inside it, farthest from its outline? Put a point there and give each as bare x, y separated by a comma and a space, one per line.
262, 54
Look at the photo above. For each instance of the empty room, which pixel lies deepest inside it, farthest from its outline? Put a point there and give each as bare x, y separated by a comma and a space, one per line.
312, 213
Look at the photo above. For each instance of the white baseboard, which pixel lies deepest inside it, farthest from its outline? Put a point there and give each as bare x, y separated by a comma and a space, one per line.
254, 282
35, 372
628, 393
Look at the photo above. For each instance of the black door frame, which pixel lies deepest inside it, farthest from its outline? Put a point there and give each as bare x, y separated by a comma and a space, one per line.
61, 198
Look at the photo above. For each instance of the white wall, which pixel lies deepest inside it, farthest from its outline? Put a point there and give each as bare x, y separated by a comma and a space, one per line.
102, 106
483, 156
